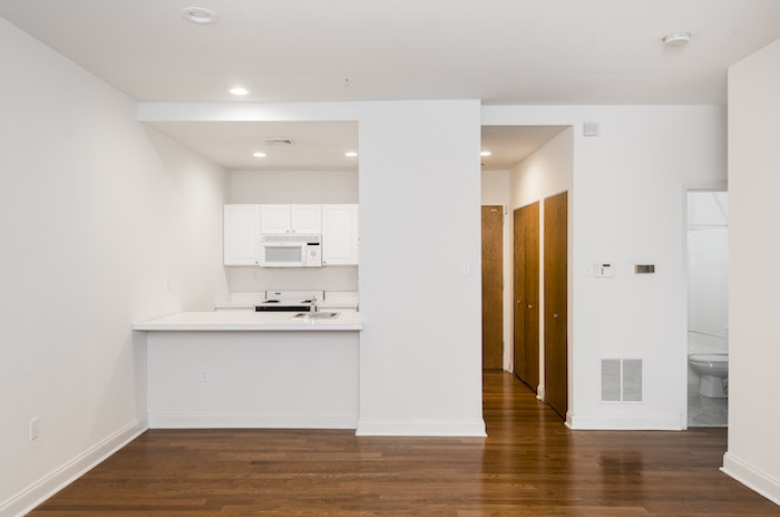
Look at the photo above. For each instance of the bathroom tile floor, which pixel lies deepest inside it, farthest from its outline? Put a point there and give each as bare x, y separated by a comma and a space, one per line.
705, 411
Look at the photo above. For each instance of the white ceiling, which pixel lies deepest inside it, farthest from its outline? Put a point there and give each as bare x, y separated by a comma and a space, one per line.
511, 145
318, 145
499, 51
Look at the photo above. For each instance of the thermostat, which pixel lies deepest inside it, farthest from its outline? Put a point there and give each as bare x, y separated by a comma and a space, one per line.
603, 270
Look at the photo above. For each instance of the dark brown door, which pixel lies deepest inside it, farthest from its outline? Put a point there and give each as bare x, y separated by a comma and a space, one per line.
555, 313
492, 288
526, 291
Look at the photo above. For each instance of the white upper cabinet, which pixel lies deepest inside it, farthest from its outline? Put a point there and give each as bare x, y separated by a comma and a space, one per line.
306, 219
339, 235
338, 225
303, 219
241, 225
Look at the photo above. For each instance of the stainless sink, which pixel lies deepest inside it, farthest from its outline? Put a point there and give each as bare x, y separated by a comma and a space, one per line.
317, 315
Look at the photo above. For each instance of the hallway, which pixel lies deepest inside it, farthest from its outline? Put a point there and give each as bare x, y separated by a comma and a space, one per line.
530, 465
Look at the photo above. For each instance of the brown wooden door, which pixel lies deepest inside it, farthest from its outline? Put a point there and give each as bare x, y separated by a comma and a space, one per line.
526, 289
492, 288
555, 313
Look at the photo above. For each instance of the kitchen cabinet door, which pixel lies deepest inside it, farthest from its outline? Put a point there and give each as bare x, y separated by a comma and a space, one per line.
302, 219
241, 225
339, 235
306, 219
275, 219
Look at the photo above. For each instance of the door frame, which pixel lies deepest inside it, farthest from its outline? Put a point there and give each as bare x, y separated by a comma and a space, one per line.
713, 186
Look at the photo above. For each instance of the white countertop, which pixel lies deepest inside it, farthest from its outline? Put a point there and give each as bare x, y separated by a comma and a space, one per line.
239, 321
333, 300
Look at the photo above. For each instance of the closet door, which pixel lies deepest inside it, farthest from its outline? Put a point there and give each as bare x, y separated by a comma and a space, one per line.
526, 290
492, 287
519, 269
555, 311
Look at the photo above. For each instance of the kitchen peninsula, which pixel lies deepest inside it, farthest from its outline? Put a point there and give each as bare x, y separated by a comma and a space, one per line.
240, 369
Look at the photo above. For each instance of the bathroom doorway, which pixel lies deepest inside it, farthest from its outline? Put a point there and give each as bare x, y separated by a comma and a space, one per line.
707, 288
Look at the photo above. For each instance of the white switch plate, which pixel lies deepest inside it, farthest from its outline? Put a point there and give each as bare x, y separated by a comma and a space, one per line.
465, 268
35, 429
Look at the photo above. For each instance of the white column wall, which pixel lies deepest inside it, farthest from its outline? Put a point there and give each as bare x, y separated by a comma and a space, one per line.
420, 269
103, 222
754, 248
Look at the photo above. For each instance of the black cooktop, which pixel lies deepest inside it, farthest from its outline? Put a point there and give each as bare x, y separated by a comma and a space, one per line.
279, 306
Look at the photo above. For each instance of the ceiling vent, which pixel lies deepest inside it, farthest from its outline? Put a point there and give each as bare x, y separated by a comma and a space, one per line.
280, 142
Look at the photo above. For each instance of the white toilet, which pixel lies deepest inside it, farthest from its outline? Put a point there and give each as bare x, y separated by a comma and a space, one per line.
714, 370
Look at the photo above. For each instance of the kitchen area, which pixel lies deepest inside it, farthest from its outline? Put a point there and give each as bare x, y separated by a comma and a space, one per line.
281, 347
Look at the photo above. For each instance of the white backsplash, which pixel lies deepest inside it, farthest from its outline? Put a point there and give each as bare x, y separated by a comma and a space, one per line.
328, 278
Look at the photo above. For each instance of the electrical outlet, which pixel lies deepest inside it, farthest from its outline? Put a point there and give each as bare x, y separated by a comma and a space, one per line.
35, 430
205, 375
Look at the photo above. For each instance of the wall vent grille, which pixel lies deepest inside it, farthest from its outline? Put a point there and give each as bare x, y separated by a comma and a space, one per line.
280, 142
621, 380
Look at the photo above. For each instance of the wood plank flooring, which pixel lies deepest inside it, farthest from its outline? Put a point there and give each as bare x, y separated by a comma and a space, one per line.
530, 465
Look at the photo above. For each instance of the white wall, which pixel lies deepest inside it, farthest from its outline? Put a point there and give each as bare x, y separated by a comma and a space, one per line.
628, 208
547, 172
104, 222
420, 367
496, 191
301, 187
754, 281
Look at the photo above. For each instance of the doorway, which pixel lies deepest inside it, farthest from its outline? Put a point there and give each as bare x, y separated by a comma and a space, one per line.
707, 289
521, 167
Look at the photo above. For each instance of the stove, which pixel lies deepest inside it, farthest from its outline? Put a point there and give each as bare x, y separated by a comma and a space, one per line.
289, 301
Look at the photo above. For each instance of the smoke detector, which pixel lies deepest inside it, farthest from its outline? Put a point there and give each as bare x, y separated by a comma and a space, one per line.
280, 142
678, 39
199, 15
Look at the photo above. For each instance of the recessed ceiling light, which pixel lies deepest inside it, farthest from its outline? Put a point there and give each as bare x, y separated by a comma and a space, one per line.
199, 15
239, 91
485, 153
678, 39
350, 154
259, 154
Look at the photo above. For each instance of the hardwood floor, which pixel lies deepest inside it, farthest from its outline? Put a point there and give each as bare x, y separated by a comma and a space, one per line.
530, 465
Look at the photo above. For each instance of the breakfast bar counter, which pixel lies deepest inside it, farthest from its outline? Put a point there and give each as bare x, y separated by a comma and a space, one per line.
229, 369
248, 321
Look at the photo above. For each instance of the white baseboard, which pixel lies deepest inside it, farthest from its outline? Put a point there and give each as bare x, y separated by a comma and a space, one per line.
463, 428
657, 422
752, 478
219, 420
38, 492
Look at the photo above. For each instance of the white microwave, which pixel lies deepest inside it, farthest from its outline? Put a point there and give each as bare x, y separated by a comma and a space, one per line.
290, 251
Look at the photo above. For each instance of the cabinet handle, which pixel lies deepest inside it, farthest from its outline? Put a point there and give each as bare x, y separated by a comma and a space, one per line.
530, 306
555, 315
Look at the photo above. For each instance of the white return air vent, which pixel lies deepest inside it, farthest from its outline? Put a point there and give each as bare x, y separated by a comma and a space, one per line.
621, 380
